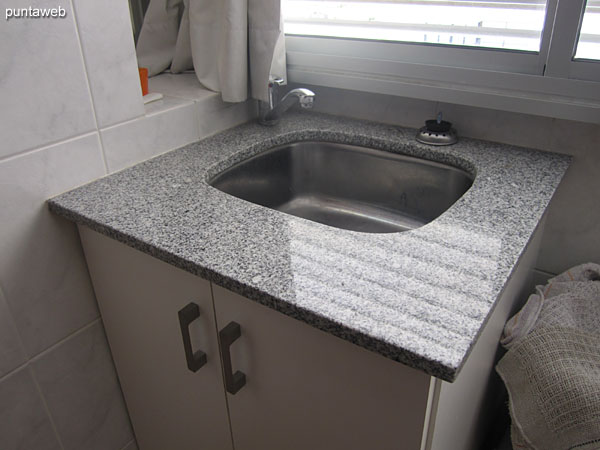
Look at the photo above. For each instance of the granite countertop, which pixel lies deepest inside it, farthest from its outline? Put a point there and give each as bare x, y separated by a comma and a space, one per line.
420, 297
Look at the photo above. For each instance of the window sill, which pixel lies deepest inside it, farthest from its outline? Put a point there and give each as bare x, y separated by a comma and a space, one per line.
178, 90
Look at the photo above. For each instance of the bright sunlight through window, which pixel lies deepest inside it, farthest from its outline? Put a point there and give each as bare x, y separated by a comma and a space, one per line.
502, 24
588, 46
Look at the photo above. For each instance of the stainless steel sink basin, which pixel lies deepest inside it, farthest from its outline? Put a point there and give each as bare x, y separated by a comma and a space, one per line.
346, 186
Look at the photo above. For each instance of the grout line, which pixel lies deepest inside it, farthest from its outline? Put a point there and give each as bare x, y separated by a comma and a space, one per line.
52, 347
124, 122
198, 119
147, 115
18, 333
47, 408
182, 103
89, 87
103, 153
13, 371
128, 444
27, 365
63, 340
46, 146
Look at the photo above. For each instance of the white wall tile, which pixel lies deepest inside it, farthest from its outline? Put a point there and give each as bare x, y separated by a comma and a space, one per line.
80, 386
109, 53
42, 269
140, 139
12, 353
24, 423
215, 116
44, 92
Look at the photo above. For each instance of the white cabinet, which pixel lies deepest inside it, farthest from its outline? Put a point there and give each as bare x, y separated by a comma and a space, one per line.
274, 383
170, 406
304, 389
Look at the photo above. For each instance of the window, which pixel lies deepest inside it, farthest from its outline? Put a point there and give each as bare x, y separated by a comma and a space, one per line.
503, 24
532, 56
588, 44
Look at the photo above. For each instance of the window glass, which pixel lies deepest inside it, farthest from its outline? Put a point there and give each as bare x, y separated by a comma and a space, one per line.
503, 24
588, 46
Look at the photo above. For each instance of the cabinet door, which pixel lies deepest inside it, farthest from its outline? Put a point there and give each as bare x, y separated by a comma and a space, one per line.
171, 407
306, 389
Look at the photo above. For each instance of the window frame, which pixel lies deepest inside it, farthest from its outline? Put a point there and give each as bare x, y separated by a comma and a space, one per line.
548, 83
561, 62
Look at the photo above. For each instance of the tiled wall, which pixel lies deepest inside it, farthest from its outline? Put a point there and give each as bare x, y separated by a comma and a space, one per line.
572, 232
71, 111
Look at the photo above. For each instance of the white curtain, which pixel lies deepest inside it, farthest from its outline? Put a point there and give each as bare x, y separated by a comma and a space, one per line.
233, 45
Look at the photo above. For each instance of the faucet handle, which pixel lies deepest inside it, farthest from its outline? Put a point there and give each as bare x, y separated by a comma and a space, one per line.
273, 87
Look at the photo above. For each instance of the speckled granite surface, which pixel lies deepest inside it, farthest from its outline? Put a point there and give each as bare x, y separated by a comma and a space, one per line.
418, 297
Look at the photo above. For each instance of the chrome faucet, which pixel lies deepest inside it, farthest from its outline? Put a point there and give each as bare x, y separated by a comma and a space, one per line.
271, 112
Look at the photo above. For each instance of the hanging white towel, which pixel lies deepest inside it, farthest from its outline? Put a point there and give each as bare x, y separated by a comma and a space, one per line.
552, 367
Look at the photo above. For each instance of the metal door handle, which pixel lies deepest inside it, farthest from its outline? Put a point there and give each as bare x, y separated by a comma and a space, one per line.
187, 315
227, 336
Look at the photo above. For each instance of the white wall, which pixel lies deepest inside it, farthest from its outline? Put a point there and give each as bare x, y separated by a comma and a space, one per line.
71, 111
572, 232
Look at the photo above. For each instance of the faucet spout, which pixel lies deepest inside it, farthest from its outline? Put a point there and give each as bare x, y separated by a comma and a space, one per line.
304, 97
